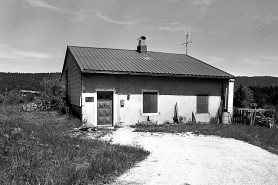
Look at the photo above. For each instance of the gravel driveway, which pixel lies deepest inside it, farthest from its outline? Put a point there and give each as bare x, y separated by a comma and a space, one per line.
190, 159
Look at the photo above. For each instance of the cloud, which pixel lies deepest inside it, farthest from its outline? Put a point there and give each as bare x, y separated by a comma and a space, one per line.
267, 57
177, 28
270, 19
169, 28
100, 15
41, 4
214, 60
9, 53
203, 4
81, 15
28, 54
260, 61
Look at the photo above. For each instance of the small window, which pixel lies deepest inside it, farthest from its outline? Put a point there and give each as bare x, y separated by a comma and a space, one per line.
202, 103
150, 102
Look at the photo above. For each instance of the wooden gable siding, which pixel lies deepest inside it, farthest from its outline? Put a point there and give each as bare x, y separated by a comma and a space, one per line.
74, 80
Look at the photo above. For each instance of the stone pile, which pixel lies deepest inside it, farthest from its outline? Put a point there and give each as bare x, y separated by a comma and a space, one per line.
37, 106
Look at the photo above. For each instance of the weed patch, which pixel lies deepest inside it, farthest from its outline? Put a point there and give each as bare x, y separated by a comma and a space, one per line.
36, 148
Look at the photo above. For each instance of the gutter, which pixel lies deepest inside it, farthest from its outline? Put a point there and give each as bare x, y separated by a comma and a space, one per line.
87, 71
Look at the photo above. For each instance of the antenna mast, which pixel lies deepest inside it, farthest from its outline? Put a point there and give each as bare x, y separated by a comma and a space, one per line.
186, 42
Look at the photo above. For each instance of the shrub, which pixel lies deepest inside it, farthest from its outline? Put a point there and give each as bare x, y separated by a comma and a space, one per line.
2, 98
145, 123
29, 97
14, 97
53, 93
63, 108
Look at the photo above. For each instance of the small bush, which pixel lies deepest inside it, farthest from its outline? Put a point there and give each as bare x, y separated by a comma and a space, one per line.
145, 123
63, 108
2, 98
30, 97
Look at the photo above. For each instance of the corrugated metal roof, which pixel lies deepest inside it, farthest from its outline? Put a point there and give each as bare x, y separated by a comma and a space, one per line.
103, 60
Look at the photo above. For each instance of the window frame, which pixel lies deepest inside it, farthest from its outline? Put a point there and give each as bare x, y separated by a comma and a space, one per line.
142, 103
199, 104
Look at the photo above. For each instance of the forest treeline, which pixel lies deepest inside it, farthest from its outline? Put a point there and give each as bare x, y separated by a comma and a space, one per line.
256, 81
23, 81
50, 85
256, 96
256, 92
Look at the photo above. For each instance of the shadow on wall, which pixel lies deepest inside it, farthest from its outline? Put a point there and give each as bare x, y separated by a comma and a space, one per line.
127, 84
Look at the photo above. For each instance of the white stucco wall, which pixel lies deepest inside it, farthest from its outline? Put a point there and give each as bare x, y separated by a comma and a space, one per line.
184, 91
231, 96
132, 111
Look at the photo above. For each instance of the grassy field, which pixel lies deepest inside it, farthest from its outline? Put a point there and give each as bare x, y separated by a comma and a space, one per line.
260, 136
37, 148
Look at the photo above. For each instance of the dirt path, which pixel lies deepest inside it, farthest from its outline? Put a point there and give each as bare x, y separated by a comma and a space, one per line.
189, 159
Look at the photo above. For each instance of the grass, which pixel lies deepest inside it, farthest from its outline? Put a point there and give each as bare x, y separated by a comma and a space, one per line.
37, 148
260, 136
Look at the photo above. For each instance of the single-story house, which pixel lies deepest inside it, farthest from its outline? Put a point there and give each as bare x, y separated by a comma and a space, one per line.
108, 86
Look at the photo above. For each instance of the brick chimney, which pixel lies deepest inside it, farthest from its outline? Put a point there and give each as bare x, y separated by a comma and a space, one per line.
142, 47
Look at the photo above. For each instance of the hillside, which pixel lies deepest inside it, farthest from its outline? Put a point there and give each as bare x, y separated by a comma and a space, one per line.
256, 80
20, 81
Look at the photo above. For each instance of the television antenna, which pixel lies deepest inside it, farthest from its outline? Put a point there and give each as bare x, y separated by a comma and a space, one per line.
186, 42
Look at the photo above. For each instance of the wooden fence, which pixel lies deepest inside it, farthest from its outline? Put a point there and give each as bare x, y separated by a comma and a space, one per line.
241, 116
251, 117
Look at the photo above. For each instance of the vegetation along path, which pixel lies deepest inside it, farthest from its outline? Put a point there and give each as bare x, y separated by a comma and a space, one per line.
195, 159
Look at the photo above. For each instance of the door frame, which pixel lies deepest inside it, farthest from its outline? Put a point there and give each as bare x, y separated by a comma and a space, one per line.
113, 106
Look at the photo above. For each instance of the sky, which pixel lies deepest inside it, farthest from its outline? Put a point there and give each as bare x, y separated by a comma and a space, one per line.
237, 36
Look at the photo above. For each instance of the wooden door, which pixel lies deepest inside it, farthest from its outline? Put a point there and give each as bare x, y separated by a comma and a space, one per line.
105, 108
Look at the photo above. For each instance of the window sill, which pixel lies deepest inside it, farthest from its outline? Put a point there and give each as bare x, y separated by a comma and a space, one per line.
150, 114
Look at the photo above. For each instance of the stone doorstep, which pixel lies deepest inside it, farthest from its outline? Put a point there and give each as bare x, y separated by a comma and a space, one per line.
105, 127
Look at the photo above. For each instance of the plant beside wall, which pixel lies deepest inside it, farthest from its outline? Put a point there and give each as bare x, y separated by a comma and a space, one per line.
53, 91
13, 97
2, 98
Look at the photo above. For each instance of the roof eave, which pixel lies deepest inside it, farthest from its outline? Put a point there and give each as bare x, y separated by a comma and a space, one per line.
88, 71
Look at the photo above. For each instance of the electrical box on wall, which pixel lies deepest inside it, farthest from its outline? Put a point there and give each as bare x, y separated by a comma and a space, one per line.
89, 99
122, 103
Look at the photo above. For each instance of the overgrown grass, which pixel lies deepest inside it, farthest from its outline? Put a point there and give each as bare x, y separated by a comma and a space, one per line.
260, 136
36, 148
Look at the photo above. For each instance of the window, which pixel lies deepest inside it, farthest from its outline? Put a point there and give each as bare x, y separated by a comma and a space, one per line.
202, 103
150, 102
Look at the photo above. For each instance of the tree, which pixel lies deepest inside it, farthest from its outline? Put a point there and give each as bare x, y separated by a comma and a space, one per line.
53, 87
244, 97
53, 90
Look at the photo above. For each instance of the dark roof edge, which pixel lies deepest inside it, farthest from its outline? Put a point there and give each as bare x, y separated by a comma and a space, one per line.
66, 56
84, 71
